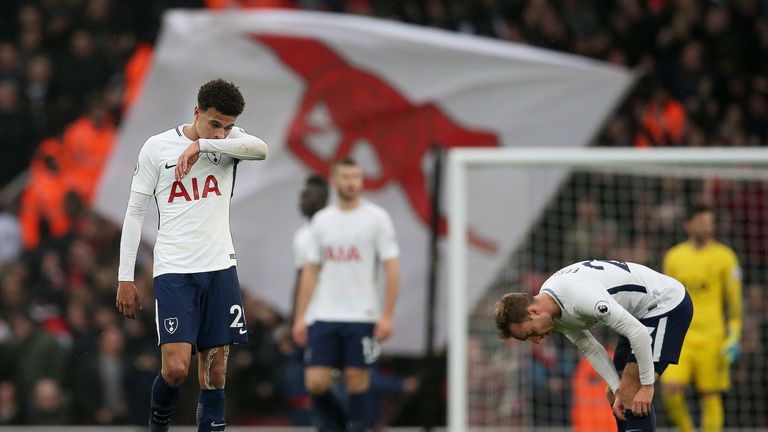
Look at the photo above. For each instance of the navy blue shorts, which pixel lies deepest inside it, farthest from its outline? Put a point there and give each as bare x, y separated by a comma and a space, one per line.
341, 344
203, 309
667, 338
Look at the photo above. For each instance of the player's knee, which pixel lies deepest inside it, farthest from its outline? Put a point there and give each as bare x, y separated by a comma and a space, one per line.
671, 388
215, 379
318, 382
317, 386
175, 372
357, 380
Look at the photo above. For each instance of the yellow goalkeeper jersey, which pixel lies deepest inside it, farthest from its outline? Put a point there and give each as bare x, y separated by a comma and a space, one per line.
712, 277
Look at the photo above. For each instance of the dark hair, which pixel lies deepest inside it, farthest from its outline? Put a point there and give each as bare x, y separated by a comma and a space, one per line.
696, 209
224, 96
315, 180
511, 309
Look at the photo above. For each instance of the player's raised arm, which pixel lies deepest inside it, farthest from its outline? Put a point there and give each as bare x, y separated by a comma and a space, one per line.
243, 147
239, 145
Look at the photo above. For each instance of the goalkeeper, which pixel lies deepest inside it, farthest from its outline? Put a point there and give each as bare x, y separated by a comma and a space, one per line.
711, 275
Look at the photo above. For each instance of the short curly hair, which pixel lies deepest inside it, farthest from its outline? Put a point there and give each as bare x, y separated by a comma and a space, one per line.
511, 309
224, 96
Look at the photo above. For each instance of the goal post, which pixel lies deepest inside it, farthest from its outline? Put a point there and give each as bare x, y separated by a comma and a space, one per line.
662, 161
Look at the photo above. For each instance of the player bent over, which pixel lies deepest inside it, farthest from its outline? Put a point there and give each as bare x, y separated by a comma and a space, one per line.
190, 170
650, 311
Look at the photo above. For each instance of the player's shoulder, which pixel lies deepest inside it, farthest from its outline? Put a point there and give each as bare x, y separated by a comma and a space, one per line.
161, 139
302, 231
374, 209
722, 249
681, 248
323, 215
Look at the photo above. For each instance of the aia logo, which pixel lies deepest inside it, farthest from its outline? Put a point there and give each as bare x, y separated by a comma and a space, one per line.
362, 108
179, 191
342, 254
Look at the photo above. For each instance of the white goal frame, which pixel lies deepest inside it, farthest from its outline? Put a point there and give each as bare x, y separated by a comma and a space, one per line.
460, 159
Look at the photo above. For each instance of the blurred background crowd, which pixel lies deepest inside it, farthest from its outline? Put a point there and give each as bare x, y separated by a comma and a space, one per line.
69, 69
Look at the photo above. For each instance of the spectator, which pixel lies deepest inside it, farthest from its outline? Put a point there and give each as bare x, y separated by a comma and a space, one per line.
10, 413
42, 358
17, 130
49, 405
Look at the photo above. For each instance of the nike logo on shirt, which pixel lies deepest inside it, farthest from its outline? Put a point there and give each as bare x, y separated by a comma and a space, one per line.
169, 166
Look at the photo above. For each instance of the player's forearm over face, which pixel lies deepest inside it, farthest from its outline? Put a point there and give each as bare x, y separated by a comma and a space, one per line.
245, 147
392, 270
306, 289
131, 234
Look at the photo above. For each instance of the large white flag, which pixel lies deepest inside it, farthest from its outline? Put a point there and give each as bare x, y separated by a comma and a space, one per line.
320, 86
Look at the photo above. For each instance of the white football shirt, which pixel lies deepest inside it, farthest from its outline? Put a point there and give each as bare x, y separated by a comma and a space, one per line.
588, 292
349, 245
616, 294
193, 233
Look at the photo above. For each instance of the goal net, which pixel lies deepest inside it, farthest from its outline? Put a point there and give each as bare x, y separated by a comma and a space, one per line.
517, 215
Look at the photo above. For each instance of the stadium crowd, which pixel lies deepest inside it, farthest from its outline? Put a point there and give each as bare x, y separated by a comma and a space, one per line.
65, 354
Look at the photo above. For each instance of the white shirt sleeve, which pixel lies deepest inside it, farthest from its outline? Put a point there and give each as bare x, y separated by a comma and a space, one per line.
386, 240
238, 144
639, 338
146, 173
131, 235
597, 355
609, 312
313, 251
300, 239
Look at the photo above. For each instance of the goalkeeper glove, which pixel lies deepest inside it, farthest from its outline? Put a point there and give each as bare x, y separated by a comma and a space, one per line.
730, 349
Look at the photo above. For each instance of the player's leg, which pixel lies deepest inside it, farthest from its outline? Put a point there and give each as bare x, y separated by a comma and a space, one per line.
620, 355
361, 351
357, 382
679, 353
673, 384
176, 324
323, 354
712, 378
222, 323
630, 385
211, 373
165, 390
